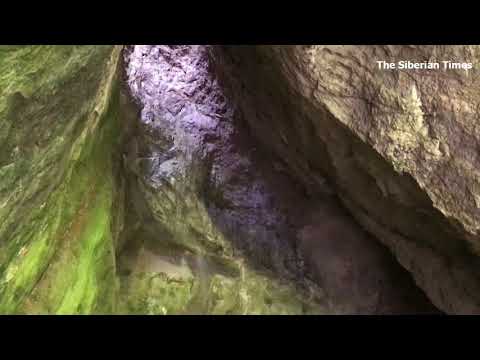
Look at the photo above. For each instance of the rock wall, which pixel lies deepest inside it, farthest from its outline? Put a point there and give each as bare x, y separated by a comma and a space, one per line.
174, 184
399, 147
188, 188
204, 187
60, 199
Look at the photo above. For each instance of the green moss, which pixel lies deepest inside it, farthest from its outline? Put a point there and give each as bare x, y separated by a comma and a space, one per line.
56, 174
156, 294
218, 294
253, 294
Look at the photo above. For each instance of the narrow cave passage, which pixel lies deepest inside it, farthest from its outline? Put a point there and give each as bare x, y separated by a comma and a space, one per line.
209, 205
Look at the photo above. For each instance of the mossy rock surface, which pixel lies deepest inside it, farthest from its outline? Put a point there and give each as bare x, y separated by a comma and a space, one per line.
61, 201
58, 121
251, 294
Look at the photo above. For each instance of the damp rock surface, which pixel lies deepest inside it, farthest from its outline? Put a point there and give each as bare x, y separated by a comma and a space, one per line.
231, 210
60, 203
194, 180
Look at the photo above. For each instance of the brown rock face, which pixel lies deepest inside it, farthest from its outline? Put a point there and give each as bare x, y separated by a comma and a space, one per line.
353, 268
400, 147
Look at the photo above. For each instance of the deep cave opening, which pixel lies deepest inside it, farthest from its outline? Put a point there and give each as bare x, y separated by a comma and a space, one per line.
204, 194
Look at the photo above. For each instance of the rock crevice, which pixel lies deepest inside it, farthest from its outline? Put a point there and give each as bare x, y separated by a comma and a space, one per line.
154, 179
220, 196
398, 147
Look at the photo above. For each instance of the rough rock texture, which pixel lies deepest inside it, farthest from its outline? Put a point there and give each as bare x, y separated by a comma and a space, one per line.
59, 205
220, 223
401, 148
179, 203
178, 159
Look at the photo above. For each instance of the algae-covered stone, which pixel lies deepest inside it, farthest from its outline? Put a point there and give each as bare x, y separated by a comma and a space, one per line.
160, 293
58, 121
255, 294
155, 294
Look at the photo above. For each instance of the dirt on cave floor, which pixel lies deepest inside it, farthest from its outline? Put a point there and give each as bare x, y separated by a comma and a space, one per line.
308, 239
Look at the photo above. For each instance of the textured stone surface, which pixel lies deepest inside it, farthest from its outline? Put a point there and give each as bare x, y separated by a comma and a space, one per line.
400, 147
58, 112
205, 186
174, 205
189, 194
